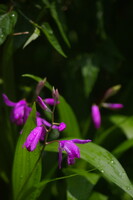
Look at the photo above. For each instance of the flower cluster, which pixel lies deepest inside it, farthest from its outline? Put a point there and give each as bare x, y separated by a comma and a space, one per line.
19, 114
95, 109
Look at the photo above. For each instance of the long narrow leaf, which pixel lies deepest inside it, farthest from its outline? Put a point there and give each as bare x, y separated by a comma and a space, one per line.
26, 167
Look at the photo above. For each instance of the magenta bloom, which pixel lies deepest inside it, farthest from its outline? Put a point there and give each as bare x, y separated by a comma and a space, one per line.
34, 137
71, 149
41, 122
112, 106
96, 116
51, 101
42, 104
20, 111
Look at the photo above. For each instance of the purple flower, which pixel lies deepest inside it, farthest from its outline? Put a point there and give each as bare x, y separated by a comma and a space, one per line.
42, 104
34, 137
20, 111
41, 122
51, 101
96, 116
71, 149
112, 106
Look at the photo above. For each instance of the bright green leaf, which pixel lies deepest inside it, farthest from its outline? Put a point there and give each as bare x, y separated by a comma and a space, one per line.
67, 115
47, 30
27, 165
7, 23
34, 36
109, 166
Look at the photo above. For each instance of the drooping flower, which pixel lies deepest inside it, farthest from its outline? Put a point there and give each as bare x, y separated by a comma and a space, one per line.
42, 104
112, 106
37, 134
71, 149
96, 116
20, 110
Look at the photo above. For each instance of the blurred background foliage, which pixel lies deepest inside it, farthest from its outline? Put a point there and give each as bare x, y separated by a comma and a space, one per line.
83, 48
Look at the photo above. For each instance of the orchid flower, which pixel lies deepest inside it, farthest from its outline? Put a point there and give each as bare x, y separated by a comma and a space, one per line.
37, 134
71, 149
41, 121
20, 110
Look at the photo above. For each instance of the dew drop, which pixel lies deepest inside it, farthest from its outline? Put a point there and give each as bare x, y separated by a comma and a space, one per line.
102, 171
2, 36
13, 15
128, 188
112, 162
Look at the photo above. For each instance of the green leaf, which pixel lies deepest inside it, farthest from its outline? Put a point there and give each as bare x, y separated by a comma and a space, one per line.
84, 182
27, 166
57, 16
34, 36
67, 115
105, 162
125, 123
36, 78
47, 30
98, 196
7, 23
89, 73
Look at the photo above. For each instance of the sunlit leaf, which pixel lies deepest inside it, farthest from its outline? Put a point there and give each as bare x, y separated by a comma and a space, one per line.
7, 22
27, 166
34, 36
67, 115
47, 30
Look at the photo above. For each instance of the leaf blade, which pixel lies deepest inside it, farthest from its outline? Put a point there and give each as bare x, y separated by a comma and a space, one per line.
23, 175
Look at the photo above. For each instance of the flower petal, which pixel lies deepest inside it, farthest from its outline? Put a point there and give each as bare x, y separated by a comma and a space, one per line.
112, 106
96, 116
33, 138
42, 104
51, 101
80, 141
7, 101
